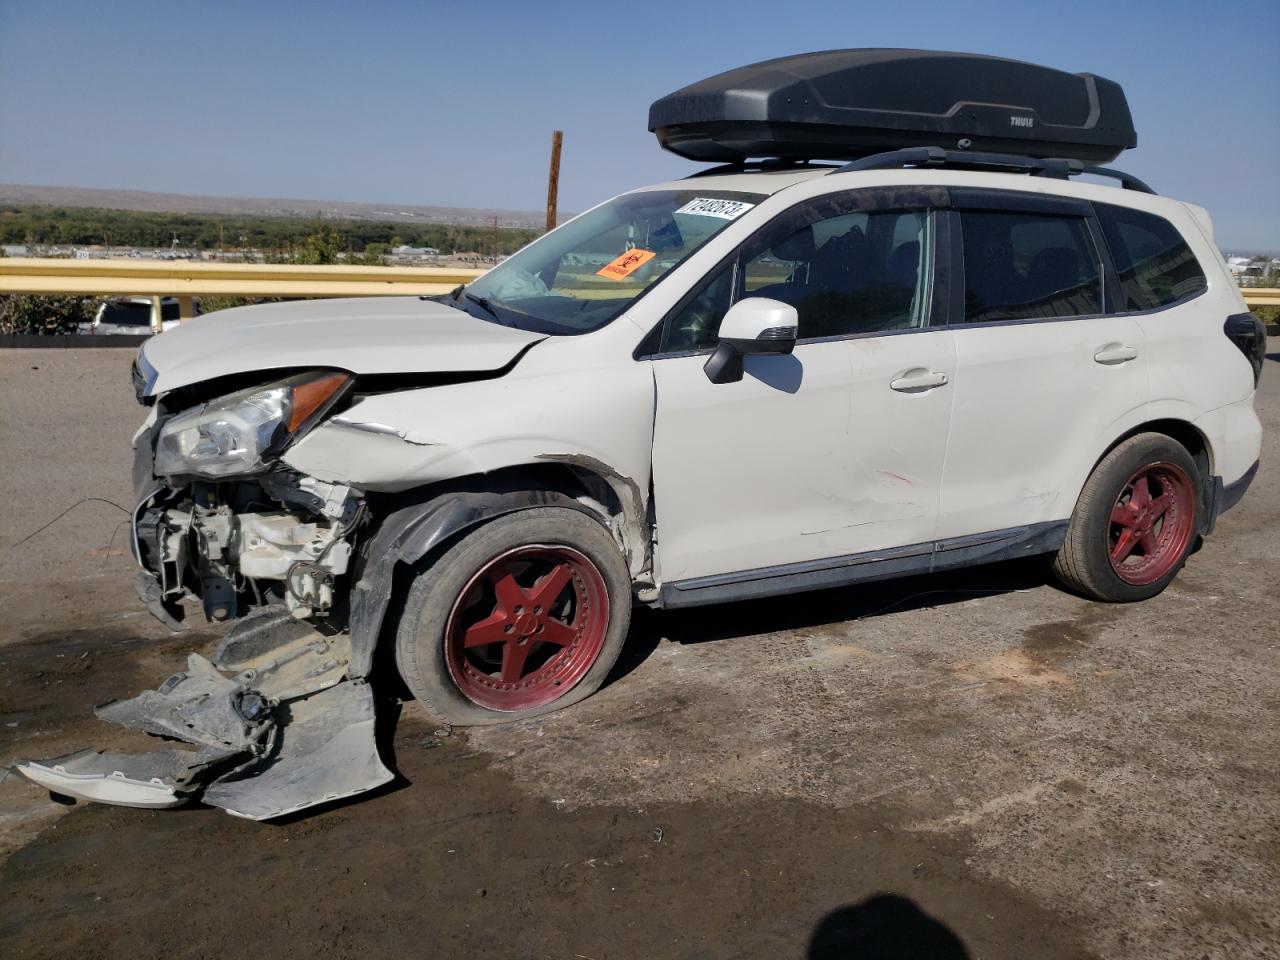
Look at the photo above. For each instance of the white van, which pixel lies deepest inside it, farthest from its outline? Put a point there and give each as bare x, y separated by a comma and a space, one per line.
132, 316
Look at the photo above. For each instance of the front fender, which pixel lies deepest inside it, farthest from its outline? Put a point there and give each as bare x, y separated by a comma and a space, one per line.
408, 534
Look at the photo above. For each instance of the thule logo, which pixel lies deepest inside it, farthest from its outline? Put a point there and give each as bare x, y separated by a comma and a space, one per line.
1021, 121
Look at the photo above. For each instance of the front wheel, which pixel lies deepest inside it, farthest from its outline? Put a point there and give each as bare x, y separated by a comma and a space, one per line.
1135, 522
524, 615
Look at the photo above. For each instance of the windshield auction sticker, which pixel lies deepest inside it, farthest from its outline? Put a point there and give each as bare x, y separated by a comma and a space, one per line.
710, 207
625, 265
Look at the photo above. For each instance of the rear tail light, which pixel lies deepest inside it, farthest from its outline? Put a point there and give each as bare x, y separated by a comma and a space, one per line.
1249, 334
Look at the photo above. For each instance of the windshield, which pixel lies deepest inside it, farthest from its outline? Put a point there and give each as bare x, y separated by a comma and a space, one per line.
581, 277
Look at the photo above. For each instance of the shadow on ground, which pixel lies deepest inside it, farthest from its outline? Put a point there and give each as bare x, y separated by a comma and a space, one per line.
746, 618
884, 927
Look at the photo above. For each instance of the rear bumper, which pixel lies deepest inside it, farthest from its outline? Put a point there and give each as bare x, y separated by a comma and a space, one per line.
1232, 493
1224, 496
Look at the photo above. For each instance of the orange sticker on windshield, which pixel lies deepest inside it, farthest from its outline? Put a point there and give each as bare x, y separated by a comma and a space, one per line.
625, 265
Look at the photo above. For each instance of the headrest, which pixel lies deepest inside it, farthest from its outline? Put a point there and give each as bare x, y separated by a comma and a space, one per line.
798, 246
1058, 267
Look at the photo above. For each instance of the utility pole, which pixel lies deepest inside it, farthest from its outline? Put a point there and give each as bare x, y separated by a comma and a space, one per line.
495, 239
553, 179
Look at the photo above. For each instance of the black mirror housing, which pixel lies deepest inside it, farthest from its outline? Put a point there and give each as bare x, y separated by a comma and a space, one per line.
725, 365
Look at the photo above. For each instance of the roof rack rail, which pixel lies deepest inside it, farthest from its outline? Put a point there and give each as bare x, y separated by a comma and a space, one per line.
1036, 166
761, 166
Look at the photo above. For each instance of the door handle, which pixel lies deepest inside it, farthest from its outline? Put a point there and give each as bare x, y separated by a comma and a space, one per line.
1113, 353
918, 381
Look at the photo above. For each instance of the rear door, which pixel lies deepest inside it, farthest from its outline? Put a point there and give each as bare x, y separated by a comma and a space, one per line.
1043, 371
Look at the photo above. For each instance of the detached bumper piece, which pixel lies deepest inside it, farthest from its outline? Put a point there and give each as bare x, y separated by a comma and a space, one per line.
148, 780
275, 724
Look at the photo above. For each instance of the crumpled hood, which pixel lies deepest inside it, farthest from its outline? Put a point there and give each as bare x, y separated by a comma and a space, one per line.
362, 335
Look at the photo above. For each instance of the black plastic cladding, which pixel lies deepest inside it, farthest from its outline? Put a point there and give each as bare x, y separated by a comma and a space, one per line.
1249, 333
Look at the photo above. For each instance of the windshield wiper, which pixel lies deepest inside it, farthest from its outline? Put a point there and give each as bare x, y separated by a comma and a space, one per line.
486, 306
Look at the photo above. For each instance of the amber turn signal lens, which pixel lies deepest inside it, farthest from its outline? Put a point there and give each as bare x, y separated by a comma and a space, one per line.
310, 396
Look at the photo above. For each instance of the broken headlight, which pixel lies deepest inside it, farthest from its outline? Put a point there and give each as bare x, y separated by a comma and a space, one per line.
236, 434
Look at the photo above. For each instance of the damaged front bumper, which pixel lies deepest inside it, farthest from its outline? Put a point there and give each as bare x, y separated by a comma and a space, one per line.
274, 724
278, 720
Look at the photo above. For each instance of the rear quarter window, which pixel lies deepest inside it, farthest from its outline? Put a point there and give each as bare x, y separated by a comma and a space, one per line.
1156, 268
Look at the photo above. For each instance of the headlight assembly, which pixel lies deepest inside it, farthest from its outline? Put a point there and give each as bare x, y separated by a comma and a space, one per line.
236, 434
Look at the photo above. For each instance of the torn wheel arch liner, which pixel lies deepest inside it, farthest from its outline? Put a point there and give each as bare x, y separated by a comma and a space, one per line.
414, 531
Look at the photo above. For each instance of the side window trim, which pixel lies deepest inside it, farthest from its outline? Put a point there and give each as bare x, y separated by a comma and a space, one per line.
934, 201
1111, 294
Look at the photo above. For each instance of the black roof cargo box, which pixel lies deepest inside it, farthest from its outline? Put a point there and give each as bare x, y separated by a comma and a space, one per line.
846, 104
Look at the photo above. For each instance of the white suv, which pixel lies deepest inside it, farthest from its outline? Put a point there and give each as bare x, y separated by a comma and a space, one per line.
736, 386
743, 384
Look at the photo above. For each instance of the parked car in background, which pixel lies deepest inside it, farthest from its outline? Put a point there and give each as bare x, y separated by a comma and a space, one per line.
132, 316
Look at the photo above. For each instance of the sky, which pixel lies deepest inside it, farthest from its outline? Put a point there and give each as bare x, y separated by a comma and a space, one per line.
454, 104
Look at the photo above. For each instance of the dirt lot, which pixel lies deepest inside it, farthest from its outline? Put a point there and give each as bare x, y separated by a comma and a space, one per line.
977, 765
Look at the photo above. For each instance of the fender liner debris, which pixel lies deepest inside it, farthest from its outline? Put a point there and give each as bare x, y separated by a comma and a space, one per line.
409, 534
283, 732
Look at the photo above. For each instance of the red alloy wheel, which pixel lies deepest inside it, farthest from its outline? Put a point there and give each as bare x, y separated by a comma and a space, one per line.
1151, 523
527, 627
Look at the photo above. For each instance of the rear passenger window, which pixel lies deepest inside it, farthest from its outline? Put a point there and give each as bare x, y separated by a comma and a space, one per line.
1155, 265
1020, 266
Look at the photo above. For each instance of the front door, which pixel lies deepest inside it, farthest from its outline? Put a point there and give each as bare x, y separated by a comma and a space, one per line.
836, 449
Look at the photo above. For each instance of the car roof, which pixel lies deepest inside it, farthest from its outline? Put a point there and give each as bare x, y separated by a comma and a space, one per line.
771, 182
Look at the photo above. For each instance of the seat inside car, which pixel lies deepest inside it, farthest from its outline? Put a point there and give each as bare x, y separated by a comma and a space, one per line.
1054, 268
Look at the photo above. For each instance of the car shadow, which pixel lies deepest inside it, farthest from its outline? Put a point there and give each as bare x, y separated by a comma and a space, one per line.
746, 618
884, 927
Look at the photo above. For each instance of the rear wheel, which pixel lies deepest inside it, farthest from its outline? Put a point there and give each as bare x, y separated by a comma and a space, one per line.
1135, 521
525, 615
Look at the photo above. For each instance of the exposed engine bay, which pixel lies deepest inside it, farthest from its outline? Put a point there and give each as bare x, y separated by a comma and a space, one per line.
278, 538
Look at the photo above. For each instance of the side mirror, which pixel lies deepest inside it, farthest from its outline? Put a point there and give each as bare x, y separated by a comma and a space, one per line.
752, 326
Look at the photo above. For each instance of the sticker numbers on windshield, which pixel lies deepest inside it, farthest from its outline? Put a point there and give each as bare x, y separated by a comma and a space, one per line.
621, 267
710, 207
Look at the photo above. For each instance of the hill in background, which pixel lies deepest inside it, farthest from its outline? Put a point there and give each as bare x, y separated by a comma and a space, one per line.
140, 200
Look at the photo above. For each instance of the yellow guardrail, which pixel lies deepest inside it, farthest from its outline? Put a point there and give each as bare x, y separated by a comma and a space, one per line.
193, 278
185, 279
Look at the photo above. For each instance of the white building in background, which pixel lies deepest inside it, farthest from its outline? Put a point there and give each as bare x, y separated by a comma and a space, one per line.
1254, 271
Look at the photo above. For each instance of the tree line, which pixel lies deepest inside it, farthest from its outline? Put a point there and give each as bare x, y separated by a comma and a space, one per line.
83, 226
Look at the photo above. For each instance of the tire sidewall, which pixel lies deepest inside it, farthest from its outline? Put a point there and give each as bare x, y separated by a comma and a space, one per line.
420, 634
1110, 478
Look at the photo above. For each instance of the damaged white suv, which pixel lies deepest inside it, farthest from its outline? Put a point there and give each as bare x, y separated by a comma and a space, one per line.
760, 380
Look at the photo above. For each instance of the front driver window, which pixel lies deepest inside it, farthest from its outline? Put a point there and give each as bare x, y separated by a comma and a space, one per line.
847, 273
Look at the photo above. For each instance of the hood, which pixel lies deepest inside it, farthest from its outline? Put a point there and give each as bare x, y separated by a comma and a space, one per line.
364, 335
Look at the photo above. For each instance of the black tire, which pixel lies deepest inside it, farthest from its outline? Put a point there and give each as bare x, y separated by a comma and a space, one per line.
422, 653
1084, 563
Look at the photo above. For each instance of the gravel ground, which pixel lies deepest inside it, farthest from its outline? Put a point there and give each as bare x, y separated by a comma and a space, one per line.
972, 765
